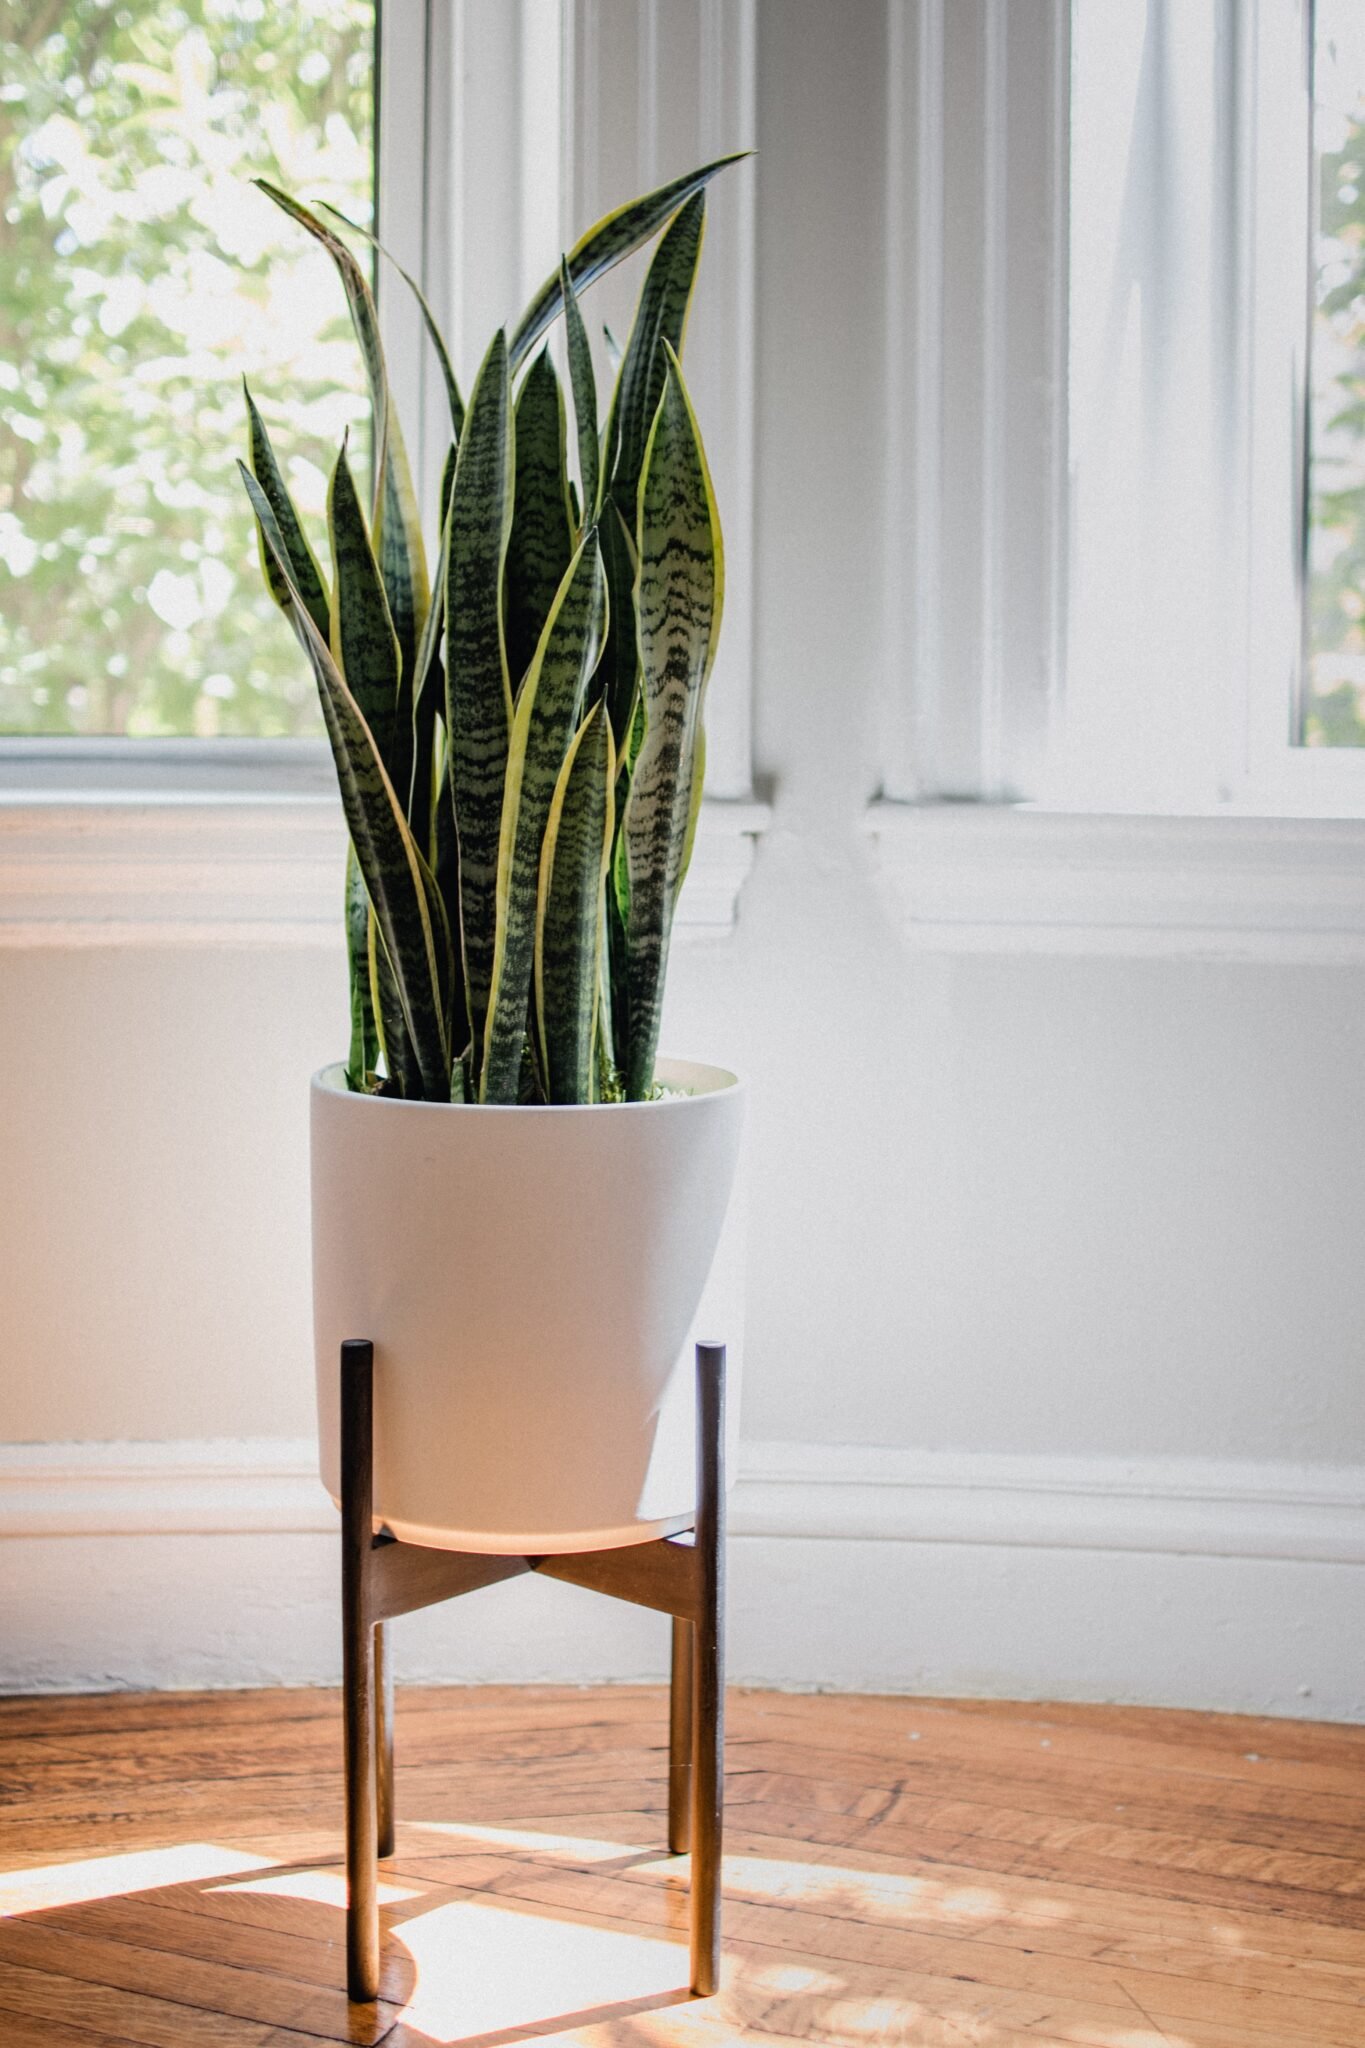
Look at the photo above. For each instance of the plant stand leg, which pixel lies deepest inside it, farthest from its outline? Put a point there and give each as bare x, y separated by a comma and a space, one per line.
680, 1741
359, 1706
383, 1737
709, 1706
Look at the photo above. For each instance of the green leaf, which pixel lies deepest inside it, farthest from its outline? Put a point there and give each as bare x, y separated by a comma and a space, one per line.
584, 393
359, 298
660, 320
542, 533
426, 698
364, 645
569, 911
660, 317
546, 715
397, 519
402, 553
619, 673
478, 694
678, 607
613, 237
453, 398
302, 561
400, 887
364, 1051
446, 867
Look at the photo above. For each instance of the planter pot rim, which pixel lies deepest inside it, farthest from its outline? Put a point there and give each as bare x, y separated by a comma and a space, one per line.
704, 1079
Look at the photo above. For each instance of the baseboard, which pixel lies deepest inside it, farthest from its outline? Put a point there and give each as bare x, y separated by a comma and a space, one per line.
1185, 1582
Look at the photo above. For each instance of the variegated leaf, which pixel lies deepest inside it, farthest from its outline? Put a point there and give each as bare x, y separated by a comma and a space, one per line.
446, 867
364, 1051
618, 676
402, 553
397, 520
613, 237
569, 911
678, 607
395, 1045
478, 693
359, 299
437, 339
364, 645
426, 699
400, 887
584, 394
303, 562
542, 533
660, 317
546, 715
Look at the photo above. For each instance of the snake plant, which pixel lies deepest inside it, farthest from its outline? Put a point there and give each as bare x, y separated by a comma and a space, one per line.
517, 733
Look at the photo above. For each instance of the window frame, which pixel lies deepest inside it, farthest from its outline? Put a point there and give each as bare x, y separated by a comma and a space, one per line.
106, 767
110, 840
980, 703
1281, 773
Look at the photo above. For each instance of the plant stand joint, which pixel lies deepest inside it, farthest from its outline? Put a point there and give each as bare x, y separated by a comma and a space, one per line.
681, 1575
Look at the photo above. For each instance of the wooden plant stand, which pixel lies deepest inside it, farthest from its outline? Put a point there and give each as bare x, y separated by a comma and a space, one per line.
682, 1575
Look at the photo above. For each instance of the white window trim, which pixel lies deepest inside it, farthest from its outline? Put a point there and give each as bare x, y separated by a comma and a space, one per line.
1256, 851
180, 867
1020, 879
230, 842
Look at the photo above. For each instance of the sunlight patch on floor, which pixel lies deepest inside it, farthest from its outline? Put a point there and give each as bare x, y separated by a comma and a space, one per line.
798, 2000
566, 1848
112, 1877
482, 1969
321, 1887
865, 1894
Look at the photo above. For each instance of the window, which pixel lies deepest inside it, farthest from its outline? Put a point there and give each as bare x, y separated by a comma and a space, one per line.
1334, 700
1099, 434
1215, 414
139, 276
493, 131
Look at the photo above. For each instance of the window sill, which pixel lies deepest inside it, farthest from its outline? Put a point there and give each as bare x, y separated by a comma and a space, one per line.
978, 878
226, 843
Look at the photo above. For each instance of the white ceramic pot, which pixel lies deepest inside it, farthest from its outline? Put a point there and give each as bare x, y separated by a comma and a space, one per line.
529, 1278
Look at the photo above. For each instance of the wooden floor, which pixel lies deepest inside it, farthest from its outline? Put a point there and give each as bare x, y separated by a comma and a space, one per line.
898, 1871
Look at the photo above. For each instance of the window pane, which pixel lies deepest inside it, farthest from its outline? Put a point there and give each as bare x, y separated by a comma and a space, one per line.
1334, 706
141, 276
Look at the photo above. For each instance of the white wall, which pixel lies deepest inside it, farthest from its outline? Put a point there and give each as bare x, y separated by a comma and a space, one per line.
1055, 1287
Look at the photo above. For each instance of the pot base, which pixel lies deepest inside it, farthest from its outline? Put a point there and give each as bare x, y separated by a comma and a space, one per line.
527, 1543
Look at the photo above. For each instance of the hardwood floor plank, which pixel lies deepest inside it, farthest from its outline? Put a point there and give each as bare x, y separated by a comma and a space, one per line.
239, 1993
925, 1873
149, 2022
18, 2032
992, 1966
1065, 1913
1077, 1785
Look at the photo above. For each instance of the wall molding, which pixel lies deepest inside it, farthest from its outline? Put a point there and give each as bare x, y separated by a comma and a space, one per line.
982, 878
213, 870
790, 1491
1201, 1584
1165, 1506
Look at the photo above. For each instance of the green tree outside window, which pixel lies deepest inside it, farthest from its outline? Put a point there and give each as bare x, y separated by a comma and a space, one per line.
140, 277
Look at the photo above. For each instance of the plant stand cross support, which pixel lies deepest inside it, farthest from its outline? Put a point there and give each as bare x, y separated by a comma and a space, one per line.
681, 1575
